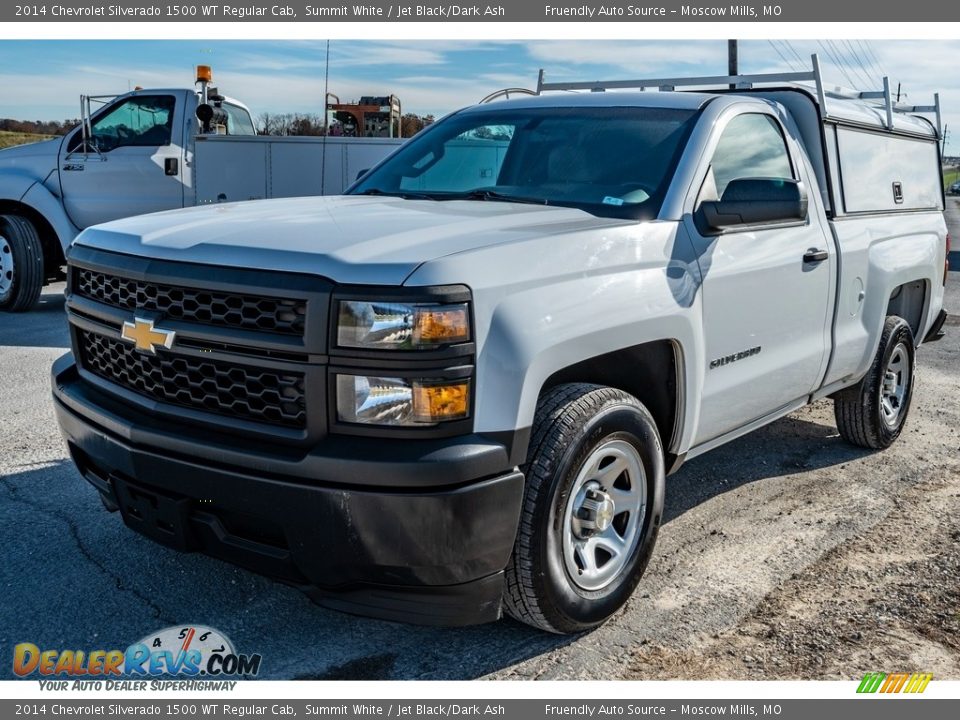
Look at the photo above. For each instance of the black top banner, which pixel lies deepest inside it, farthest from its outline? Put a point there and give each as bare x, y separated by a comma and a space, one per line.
514, 11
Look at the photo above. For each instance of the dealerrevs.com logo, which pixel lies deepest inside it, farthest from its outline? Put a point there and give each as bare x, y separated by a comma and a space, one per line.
180, 651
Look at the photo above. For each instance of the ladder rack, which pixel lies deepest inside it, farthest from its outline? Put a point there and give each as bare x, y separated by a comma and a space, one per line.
747, 82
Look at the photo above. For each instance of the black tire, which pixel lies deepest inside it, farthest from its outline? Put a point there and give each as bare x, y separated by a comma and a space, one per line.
22, 264
573, 423
859, 409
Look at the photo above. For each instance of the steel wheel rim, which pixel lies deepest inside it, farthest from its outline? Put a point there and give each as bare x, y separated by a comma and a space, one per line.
6, 265
599, 540
895, 384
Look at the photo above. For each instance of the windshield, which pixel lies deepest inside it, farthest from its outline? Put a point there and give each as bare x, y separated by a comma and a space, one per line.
609, 161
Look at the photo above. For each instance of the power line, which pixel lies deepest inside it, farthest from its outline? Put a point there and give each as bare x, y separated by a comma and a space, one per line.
789, 45
782, 56
802, 64
871, 61
844, 63
836, 62
861, 69
869, 46
842, 54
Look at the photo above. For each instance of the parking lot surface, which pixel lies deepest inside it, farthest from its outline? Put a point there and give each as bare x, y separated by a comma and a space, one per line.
786, 553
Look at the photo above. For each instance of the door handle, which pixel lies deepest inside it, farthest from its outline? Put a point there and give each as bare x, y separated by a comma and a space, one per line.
813, 255
73, 167
171, 166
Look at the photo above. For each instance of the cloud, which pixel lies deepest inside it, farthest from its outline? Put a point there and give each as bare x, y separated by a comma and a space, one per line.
436, 77
636, 58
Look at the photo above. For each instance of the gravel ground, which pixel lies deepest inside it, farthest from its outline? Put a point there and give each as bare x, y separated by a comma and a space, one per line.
889, 599
785, 554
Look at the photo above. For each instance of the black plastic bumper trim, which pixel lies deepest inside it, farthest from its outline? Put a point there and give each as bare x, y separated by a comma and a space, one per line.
429, 556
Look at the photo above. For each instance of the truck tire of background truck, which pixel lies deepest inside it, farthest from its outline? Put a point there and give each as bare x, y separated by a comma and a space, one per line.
21, 264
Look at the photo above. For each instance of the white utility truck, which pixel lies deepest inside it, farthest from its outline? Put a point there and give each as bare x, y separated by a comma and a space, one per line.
458, 388
146, 151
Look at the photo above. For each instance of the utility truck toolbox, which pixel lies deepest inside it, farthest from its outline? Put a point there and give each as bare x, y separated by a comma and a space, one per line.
458, 389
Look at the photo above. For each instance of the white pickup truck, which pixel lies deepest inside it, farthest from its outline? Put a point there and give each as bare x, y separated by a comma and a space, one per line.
146, 151
460, 387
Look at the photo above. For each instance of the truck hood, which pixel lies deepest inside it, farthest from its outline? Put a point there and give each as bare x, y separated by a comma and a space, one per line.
349, 239
45, 148
30, 162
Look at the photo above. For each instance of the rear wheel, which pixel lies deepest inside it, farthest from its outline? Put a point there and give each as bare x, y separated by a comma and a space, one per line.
21, 264
591, 512
872, 413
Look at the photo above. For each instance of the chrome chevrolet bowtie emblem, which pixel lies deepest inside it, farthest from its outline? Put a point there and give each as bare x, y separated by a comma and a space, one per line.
146, 337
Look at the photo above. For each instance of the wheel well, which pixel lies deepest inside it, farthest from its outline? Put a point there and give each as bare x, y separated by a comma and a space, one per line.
908, 301
648, 372
53, 257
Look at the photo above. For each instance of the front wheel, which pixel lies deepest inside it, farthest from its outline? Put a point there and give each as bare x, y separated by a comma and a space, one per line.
591, 511
872, 413
21, 264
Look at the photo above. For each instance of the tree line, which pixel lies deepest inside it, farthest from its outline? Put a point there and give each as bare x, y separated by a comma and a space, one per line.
313, 124
38, 127
267, 124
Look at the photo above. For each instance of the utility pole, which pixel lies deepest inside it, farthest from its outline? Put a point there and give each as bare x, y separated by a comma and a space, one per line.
732, 61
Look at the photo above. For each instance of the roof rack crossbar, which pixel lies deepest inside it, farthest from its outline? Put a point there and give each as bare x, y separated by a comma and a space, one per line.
748, 81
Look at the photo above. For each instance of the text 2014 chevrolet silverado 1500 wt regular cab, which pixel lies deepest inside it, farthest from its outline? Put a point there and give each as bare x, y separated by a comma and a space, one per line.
459, 388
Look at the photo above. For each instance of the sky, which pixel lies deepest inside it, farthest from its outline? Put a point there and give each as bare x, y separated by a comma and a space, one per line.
43, 79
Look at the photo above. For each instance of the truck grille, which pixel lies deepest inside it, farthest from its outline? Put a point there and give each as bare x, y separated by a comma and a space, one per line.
266, 314
213, 386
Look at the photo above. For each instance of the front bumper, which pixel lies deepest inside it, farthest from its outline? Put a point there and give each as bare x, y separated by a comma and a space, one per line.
351, 528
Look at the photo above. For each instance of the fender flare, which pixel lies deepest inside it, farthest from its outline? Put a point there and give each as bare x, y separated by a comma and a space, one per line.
28, 191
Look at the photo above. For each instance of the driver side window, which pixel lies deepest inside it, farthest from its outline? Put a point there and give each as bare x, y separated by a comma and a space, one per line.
139, 121
751, 146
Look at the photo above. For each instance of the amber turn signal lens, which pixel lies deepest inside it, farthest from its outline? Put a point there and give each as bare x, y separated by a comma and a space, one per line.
434, 403
441, 325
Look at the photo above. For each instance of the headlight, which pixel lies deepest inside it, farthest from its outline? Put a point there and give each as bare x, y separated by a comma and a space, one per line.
401, 326
401, 402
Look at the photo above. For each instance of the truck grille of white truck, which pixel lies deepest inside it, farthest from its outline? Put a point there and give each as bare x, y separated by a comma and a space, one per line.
224, 388
265, 314
241, 349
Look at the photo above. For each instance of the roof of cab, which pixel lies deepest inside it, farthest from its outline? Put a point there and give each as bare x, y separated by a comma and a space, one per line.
670, 100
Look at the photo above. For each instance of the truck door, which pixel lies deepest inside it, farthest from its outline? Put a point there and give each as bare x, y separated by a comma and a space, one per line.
133, 165
766, 290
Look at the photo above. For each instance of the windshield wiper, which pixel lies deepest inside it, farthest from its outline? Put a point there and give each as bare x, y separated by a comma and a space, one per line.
477, 194
487, 194
405, 194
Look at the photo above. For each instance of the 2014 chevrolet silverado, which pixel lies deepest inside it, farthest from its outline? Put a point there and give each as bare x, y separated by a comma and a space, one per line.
459, 388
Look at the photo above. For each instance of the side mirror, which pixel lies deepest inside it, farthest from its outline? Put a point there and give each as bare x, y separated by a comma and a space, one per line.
361, 174
754, 201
